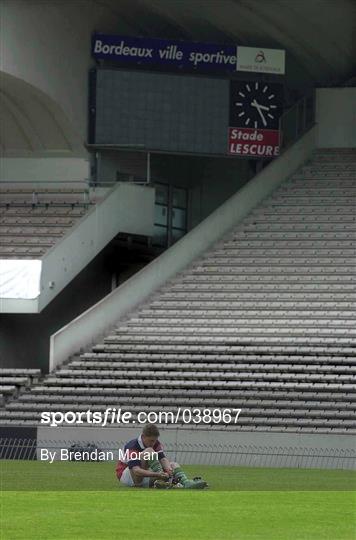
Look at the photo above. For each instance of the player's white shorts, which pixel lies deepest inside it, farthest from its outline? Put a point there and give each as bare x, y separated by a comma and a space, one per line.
126, 479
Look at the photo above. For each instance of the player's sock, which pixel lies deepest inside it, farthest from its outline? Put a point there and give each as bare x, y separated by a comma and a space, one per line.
155, 466
180, 476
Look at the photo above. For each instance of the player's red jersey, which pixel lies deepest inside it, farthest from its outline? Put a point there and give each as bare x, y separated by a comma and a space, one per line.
129, 454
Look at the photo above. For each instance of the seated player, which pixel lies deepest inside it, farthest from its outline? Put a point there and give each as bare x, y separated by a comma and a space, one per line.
139, 466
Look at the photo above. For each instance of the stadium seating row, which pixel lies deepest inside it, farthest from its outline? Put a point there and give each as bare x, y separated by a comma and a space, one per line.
13, 380
32, 221
264, 321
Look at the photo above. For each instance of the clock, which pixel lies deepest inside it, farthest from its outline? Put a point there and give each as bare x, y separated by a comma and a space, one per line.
255, 104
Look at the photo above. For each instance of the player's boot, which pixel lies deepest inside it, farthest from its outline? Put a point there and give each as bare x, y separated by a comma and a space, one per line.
162, 484
198, 478
195, 484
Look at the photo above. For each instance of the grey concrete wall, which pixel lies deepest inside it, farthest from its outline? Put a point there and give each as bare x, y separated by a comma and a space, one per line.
336, 117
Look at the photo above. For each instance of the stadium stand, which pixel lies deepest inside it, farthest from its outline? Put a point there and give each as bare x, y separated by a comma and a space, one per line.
264, 321
32, 220
12, 381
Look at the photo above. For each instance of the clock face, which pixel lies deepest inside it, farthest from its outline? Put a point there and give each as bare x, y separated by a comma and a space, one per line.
255, 104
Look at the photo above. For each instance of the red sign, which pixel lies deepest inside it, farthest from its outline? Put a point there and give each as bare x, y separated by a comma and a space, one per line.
250, 142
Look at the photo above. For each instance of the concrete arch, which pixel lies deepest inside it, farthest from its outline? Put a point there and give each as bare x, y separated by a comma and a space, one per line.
32, 123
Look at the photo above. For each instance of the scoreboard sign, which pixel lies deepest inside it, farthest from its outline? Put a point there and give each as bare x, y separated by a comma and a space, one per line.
255, 109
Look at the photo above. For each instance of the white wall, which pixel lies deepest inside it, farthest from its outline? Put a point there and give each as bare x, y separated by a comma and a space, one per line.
336, 117
46, 169
127, 208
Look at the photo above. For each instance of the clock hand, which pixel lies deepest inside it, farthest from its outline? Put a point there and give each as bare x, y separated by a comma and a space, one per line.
258, 107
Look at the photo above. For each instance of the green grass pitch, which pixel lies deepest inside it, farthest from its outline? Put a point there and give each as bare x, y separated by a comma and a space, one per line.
77, 501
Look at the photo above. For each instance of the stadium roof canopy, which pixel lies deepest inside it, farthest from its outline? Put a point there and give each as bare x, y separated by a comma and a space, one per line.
318, 35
